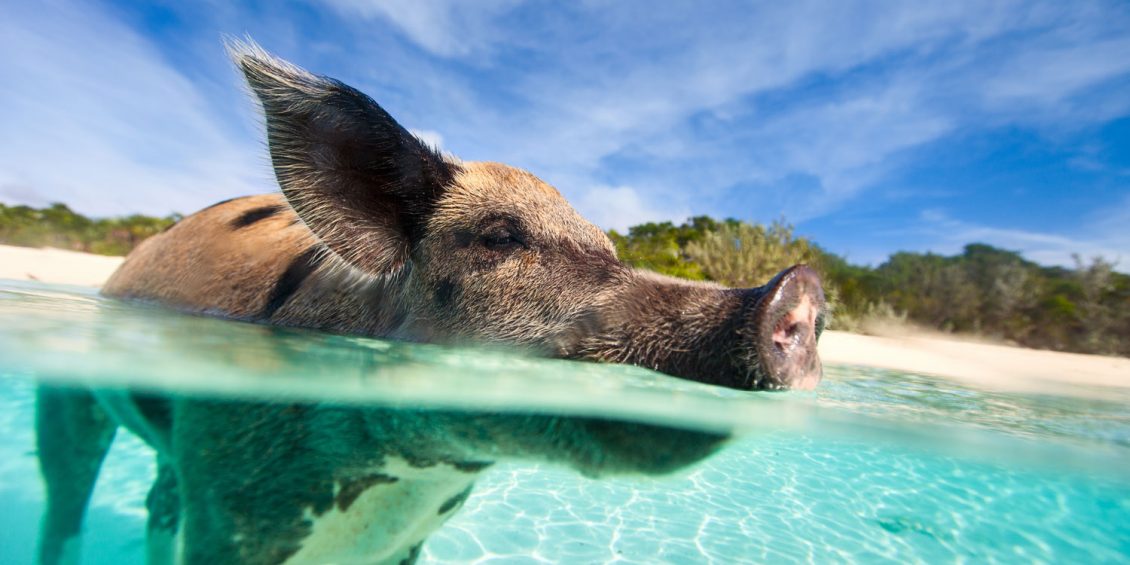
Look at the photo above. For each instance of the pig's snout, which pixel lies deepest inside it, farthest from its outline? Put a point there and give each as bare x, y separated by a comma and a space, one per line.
789, 318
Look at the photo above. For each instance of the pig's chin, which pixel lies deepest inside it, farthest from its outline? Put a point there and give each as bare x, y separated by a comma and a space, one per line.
806, 382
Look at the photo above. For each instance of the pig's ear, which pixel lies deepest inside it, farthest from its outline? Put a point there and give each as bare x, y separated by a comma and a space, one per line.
362, 183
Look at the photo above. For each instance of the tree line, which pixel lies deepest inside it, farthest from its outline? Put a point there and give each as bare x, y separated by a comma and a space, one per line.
59, 226
983, 290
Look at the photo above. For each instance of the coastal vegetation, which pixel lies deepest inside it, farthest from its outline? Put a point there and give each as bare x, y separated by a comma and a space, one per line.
984, 290
59, 226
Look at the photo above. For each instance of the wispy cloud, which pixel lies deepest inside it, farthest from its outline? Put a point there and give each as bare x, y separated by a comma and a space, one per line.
885, 85
1103, 235
97, 119
448, 28
620, 207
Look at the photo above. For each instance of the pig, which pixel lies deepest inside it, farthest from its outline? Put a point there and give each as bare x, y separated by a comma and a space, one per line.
377, 234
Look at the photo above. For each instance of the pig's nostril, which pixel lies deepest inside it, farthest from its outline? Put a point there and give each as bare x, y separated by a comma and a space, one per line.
783, 335
787, 334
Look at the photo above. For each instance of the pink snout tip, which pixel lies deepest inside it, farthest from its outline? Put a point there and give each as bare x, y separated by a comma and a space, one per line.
792, 318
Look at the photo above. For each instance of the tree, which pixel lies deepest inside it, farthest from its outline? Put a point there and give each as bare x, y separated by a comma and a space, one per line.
59, 226
1008, 287
1098, 310
660, 247
742, 255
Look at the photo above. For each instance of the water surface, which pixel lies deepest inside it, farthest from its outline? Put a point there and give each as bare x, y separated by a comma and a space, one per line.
875, 466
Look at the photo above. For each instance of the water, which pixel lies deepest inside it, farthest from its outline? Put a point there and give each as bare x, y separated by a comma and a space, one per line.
874, 467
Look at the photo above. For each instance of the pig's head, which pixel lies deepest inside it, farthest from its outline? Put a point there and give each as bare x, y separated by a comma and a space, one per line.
487, 253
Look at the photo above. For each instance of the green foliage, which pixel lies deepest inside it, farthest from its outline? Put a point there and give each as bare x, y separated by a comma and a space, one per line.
1101, 306
661, 247
996, 292
59, 226
743, 255
983, 290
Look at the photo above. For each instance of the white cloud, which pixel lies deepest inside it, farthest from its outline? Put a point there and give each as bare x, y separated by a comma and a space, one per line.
448, 28
619, 207
1047, 75
1105, 235
920, 73
97, 119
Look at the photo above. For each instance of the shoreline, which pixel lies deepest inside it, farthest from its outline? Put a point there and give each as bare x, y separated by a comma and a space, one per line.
999, 367
986, 365
58, 266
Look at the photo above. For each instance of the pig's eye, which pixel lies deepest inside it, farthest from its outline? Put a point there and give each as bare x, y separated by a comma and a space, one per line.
501, 240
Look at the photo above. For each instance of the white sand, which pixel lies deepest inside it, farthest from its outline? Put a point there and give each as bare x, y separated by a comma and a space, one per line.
994, 366
56, 266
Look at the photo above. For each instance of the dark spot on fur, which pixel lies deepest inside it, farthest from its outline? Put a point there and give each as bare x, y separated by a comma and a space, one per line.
255, 215
446, 292
296, 273
350, 490
471, 466
413, 555
454, 501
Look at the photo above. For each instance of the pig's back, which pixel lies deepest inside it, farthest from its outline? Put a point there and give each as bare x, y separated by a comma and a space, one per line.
251, 258
222, 259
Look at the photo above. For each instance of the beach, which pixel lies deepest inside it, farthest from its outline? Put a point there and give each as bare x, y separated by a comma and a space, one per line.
980, 364
56, 266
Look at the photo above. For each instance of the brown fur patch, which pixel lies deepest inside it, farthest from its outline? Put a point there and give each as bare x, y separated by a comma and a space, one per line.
201, 265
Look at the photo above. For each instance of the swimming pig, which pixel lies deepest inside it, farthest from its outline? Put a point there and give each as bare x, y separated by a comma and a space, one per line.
375, 233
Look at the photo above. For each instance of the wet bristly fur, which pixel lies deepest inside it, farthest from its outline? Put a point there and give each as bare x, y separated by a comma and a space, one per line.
375, 233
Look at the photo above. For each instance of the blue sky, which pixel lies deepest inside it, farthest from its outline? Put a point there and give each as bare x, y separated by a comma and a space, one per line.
872, 126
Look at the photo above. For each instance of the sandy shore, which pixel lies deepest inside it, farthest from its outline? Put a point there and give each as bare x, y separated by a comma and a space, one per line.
994, 366
55, 266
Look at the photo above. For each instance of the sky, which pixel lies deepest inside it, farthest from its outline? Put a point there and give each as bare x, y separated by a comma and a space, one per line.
871, 126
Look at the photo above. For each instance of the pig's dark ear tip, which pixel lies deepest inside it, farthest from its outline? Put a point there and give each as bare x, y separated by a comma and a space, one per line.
791, 317
265, 72
245, 52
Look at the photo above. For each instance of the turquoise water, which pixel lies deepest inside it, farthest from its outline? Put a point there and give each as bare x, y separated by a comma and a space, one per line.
875, 466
